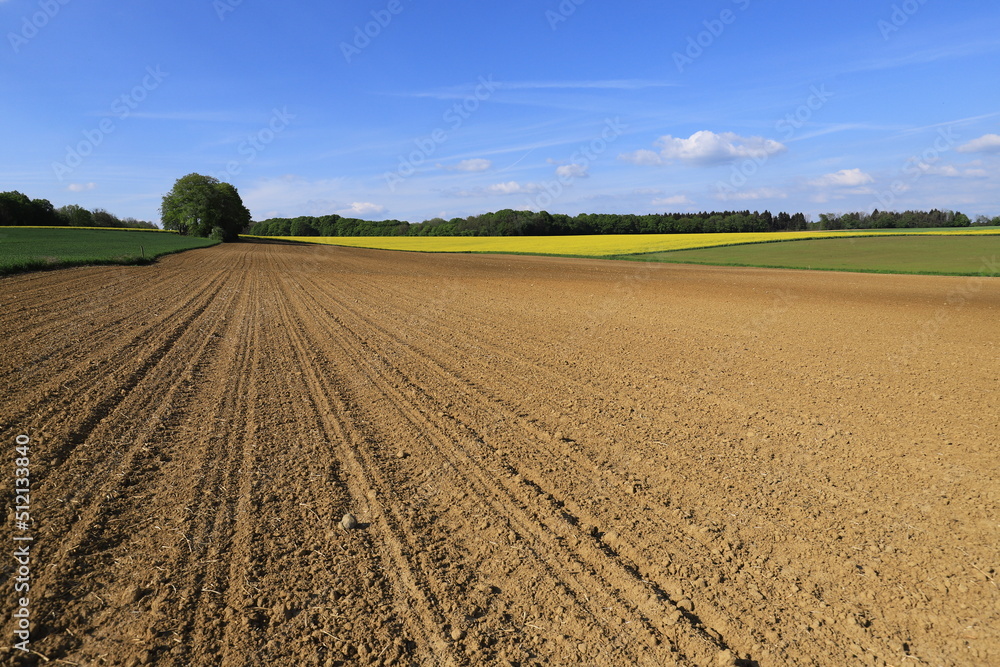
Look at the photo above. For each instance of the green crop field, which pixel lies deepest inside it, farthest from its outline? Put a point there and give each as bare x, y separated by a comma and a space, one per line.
36, 248
924, 254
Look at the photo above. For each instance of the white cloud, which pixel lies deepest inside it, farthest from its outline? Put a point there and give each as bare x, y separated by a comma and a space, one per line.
362, 208
513, 188
931, 168
706, 148
845, 178
988, 143
508, 188
642, 157
572, 171
949, 170
79, 187
751, 195
676, 200
474, 165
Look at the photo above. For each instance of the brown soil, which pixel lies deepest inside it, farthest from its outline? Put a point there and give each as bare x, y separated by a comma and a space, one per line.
550, 461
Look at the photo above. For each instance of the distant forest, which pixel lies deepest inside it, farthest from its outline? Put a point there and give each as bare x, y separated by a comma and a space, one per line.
16, 210
527, 223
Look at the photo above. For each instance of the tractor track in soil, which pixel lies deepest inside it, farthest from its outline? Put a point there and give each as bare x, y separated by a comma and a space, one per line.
553, 461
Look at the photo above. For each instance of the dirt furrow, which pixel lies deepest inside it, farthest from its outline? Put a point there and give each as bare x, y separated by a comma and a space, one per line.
541, 447
70, 381
123, 457
552, 461
452, 442
373, 498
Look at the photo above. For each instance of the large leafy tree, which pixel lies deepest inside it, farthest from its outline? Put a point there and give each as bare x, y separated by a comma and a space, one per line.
203, 206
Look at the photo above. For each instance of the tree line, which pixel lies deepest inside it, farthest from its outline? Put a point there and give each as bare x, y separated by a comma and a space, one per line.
17, 210
204, 206
528, 223
895, 220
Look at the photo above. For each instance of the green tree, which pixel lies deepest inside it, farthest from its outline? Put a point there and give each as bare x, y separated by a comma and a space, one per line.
235, 218
43, 213
76, 216
301, 227
200, 205
104, 219
15, 209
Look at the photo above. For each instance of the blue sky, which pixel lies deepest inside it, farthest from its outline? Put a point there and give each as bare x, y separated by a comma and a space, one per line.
410, 109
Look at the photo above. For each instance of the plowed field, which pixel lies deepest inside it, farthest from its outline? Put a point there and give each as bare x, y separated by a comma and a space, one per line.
553, 461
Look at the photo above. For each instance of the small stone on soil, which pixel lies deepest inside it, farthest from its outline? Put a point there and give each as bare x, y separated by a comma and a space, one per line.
349, 522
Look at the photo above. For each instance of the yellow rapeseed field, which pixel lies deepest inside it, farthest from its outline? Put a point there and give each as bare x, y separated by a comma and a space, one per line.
588, 246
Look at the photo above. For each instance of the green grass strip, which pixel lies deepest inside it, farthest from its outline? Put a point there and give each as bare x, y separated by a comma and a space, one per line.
42, 248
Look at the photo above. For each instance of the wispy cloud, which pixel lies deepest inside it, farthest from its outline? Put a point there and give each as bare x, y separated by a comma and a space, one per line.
602, 84
951, 123
459, 91
752, 195
988, 143
950, 51
514, 188
472, 165
188, 116
845, 178
496, 190
362, 209
677, 200
834, 129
